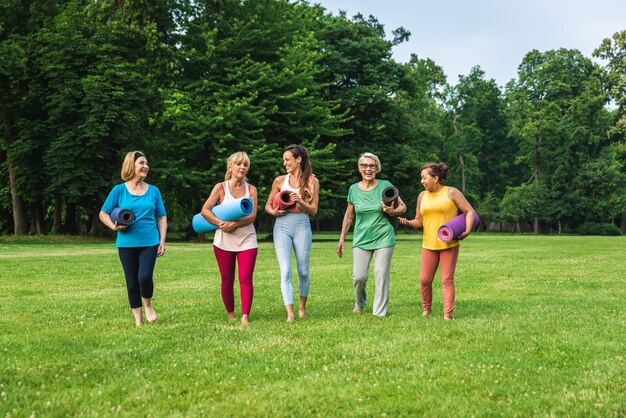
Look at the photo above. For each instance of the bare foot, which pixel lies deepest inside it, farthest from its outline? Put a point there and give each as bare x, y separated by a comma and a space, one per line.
291, 318
301, 312
232, 316
138, 316
426, 313
448, 318
151, 316
357, 310
244, 319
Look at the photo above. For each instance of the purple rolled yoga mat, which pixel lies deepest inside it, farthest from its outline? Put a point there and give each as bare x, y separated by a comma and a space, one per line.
283, 200
455, 227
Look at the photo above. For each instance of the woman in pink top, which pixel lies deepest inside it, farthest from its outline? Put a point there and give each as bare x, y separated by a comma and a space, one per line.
292, 228
234, 241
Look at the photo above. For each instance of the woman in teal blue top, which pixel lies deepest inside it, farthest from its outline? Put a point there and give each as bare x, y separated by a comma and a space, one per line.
141, 242
373, 234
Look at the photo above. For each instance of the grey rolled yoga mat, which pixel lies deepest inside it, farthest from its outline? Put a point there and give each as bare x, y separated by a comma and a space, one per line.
390, 197
122, 216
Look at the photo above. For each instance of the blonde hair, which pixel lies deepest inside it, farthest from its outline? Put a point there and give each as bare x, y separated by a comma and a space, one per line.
373, 157
128, 166
236, 158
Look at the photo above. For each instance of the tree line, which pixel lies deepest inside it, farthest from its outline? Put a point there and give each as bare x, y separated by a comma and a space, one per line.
190, 82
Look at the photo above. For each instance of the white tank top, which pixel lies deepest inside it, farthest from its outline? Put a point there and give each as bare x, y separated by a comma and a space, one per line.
240, 239
287, 186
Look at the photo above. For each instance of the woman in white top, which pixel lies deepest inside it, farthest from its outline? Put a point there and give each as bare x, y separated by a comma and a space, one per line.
292, 228
234, 241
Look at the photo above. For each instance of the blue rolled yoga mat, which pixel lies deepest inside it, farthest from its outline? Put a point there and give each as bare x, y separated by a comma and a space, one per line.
230, 211
122, 216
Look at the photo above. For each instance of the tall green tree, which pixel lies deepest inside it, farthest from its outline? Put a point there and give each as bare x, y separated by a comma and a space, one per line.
244, 85
558, 119
478, 150
613, 51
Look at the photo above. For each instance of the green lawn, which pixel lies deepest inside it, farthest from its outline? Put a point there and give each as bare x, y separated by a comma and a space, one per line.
539, 331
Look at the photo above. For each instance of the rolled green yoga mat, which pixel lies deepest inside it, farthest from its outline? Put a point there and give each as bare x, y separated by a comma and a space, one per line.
230, 211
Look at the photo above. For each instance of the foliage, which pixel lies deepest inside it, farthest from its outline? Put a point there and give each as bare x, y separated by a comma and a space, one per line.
590, 228
190, 82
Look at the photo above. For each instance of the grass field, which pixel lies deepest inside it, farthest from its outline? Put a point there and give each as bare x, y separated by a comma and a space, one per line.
539, 331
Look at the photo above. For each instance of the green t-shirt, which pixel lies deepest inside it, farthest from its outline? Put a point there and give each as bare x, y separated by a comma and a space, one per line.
372, 229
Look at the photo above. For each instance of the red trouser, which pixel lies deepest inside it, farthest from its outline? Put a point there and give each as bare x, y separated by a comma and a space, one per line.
446, 259
226, 263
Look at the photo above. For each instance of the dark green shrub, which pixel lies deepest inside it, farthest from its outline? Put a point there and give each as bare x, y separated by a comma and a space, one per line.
591, 228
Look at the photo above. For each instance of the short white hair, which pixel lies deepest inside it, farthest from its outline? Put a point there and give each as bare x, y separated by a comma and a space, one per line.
373, 157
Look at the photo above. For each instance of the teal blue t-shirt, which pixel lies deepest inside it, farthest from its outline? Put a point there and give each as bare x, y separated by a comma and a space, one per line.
372, 230
143, 232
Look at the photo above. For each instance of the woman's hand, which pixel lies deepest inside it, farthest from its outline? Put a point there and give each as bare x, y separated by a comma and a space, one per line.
340, 248
295, 197
117, 227
389, 210
161, 250
278, 212
464, 235
228, 226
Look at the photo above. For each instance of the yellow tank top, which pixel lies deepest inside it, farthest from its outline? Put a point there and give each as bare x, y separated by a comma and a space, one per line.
437, 209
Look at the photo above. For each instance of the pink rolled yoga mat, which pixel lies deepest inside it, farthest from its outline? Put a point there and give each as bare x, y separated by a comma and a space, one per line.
455, 227
282, 200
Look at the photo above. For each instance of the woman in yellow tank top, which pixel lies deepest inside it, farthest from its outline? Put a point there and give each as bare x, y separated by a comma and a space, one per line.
436, 205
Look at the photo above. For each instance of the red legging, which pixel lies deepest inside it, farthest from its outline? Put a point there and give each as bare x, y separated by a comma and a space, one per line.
226, 263
446, 259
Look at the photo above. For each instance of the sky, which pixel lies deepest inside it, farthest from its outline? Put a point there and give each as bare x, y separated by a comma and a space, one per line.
496, 35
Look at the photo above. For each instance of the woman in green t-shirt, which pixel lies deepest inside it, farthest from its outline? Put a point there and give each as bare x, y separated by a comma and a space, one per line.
373, 234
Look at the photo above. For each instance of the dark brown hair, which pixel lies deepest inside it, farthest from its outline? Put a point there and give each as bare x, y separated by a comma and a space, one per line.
307, 170
437, 170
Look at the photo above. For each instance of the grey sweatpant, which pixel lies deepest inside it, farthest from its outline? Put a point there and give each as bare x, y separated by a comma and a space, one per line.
360, 267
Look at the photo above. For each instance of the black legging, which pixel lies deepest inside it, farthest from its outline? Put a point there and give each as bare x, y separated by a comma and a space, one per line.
138, 263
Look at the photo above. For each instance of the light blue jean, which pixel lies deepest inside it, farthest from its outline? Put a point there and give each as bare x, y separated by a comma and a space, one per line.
293, 230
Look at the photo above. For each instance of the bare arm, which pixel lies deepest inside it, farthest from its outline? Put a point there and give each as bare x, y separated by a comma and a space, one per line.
348, 217
417, 222
275, 189
215, 196
162, 226
310, 207
399, 210
464, 206
108, 222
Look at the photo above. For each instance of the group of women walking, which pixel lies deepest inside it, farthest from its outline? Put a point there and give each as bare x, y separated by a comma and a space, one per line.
235, 242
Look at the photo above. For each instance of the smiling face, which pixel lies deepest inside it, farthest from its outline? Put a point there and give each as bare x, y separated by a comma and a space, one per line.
141, 168
368, 168
291, 163
428, 181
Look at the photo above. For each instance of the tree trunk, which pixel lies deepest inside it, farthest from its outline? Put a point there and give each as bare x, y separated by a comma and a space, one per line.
37, 222
622, 223
58, 209
20, 226
70, 219
95, 219
462, 161
536, 223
